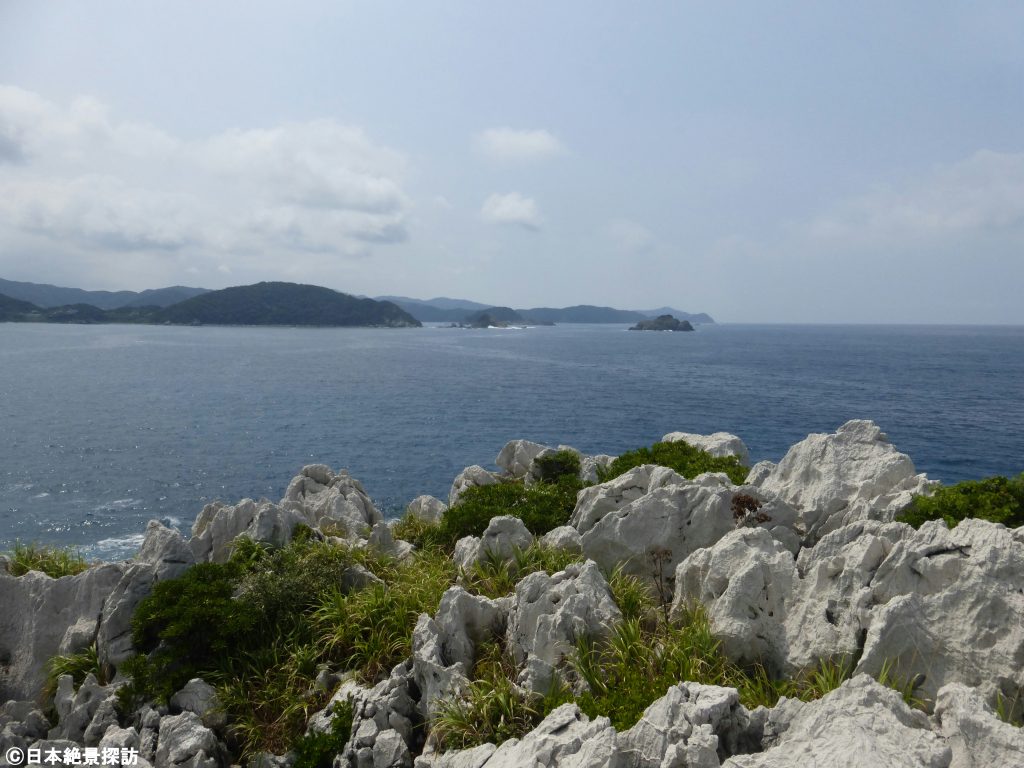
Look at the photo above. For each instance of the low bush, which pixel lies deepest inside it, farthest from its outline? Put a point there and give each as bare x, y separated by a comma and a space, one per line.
541, 507
684, 458
996, 499
317, 750
53, 561
554, 466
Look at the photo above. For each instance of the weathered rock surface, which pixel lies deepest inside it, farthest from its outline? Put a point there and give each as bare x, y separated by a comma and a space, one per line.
850, 475
503, 537
589, 466
690, 726
470, 477
41, 617
550, 613
650, 519
861, 724
444, 646
218, 525
427, 508
933, 606
977, 738
517, 456
331, 500
184, 739
717, 443
564, 537
200, 698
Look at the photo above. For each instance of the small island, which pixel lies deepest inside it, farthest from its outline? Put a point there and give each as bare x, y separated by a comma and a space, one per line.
663, 323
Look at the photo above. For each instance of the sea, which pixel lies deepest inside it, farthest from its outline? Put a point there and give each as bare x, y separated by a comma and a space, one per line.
105, 427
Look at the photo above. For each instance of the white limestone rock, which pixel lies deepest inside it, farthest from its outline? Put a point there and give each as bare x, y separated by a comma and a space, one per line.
951, 610
744, 581
861, 724
76, 713
564, 537
566, 738
200, 698
977, 738
476, 757
717, 444
550, 613
184, 739
470, 477
382, 540
504, 536
166, 550
650, 535
427, 508
218, 525
589, 466
850, 475
444, 647
688, 726
595, 502
517, 456
331, 500
41, 617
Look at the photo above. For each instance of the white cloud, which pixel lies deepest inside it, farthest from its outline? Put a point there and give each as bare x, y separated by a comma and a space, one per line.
629, 237
980, 195
83, 187
511, 145
512, 208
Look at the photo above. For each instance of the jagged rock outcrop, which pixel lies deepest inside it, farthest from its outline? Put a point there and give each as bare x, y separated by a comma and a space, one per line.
41, 617
382, 540
861, 724
976, 737
564, 537
589, 466
199, 698
427, 508
218, 525
184, 740
691, 725
331, 501
835, 479
932, 606
650, 519
717, 443
550, 613
517, 456
504, 536
444, 646
470, 477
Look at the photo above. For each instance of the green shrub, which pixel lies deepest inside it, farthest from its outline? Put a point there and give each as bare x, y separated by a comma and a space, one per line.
417, 531
317, 750
997, 499
53, 561
553, 467
541, 507
496, 576
684, 458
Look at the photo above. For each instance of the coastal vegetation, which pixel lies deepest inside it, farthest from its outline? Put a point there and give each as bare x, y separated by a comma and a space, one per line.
689, 461
996, 499
53, 561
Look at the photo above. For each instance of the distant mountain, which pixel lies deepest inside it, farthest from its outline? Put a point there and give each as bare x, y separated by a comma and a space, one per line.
441, 302
583, 313
284, 304
260, 304
44, 295
663, 323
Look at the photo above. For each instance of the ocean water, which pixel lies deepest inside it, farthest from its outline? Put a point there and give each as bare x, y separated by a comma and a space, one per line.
105, 427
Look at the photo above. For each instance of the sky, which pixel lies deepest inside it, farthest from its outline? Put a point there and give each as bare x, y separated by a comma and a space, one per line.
763, 162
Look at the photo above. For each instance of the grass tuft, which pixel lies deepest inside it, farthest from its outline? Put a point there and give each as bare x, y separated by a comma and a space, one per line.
53, 561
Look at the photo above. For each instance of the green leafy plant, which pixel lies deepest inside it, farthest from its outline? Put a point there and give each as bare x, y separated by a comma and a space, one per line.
53, 561
79, 665
318, 749
684, 458
555, 466
497, 576
997, 499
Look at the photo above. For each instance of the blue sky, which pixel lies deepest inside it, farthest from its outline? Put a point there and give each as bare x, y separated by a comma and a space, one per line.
793, 162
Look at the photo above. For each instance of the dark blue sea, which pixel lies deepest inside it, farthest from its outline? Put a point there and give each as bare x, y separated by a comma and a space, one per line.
105, 427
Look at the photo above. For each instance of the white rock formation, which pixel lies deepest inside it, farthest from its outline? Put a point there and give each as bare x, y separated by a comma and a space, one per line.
218, 525
835, 479
977, 738
717, 443
550, 613
564, 537
427, 508
444, 647
503, 537
41, 617
185, 740
517, 456
861, 724
470, 477
328, 499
